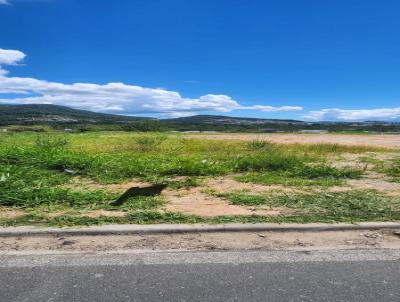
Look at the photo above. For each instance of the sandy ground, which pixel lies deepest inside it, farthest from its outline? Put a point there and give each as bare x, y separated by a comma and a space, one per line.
10, 213
376, 140
194, 202
207, 241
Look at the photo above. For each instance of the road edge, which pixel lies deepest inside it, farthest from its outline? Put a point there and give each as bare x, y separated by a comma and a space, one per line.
192, 228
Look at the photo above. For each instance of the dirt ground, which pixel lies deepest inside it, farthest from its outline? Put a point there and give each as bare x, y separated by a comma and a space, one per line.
195, 202
206, 241
376, 140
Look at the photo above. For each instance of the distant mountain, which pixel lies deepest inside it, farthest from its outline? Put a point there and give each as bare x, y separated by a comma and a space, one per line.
51, 114
82, 120
228, 120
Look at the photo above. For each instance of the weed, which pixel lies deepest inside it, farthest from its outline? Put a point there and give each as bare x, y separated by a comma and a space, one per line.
287, 179
260, 145
394, 169
272, 161
352, 204
49, 143
327, 172
142, 203
149, 142
175, 183
28, 186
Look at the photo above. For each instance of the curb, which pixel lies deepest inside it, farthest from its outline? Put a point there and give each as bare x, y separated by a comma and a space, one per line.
193, 228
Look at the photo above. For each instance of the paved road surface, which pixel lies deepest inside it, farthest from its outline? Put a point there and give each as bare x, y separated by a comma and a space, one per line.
370, 275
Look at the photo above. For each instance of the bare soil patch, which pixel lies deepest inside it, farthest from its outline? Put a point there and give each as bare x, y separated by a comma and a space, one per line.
229, 185
11, 213
80, 183
104, 213
193, 201
376, 140
375, 184
207, 241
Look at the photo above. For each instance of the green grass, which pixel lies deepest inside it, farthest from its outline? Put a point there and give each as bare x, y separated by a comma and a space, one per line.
149, 142
113, 157
260, 145
394, 170
31, 186
355, 204
142, 203
302, 175
35, 169
286, 179
327, 148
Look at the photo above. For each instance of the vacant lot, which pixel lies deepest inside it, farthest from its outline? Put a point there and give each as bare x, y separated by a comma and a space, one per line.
72, 179
377, 140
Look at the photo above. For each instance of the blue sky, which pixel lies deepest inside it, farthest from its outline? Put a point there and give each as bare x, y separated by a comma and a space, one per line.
302, 59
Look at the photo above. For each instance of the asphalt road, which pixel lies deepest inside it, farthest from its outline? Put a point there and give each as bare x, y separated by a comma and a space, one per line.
370, 275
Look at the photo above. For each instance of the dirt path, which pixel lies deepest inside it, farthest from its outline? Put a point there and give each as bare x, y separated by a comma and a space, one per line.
376, 140
206, 241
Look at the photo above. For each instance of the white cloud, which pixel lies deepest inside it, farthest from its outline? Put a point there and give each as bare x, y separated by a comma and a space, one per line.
4, 2
333, 114
272, 109
112, 97
177, 114
10, 57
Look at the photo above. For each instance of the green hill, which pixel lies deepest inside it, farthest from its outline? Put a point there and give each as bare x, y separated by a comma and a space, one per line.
60, 117
54, 114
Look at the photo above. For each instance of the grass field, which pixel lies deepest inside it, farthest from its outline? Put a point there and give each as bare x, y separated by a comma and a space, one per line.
71, 179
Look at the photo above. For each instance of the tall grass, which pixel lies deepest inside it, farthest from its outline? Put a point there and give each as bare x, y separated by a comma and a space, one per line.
149, 142
49, 143
260, 145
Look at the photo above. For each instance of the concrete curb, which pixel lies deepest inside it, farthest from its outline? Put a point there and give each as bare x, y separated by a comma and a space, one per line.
193, 228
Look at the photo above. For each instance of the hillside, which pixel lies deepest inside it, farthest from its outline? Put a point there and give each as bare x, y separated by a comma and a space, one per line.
60, 116
39, 114
50, 114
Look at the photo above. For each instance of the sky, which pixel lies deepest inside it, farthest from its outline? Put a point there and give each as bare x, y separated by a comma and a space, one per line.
299, 59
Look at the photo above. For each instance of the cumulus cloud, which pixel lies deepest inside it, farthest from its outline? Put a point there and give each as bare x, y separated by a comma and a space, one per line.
272, 109
333, 114
10, 57
112, 97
